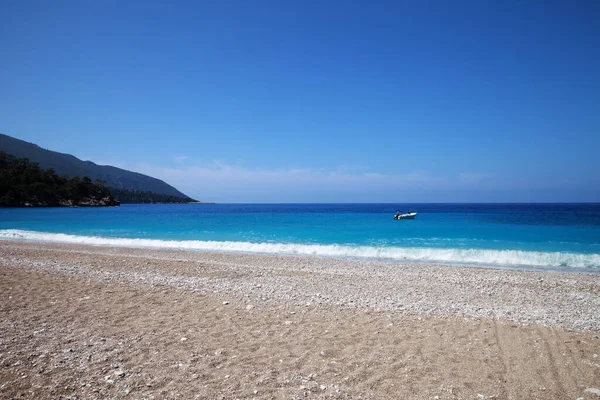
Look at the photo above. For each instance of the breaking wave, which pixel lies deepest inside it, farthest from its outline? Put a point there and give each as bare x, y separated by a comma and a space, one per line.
534, 259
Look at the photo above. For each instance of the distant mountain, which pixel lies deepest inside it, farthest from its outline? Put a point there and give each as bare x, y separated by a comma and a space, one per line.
72, 166
144, 197
24, 184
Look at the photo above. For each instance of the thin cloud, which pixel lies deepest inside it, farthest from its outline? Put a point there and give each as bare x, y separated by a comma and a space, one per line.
472, 177
218, 181
180, 159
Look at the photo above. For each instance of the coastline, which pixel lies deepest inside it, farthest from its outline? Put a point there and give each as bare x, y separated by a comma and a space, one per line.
532, 260
269, 326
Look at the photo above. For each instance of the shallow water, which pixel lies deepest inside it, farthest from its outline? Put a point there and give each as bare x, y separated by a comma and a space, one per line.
541, 236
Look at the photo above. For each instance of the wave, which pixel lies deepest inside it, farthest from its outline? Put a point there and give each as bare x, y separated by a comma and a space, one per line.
414, 254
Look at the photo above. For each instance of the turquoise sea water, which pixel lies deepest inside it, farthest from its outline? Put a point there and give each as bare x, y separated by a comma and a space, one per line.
539, 236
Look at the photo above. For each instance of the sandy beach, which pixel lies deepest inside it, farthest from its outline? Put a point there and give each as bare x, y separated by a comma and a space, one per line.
83, 322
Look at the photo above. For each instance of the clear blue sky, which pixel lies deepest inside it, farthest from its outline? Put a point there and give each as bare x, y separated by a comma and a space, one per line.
315, 101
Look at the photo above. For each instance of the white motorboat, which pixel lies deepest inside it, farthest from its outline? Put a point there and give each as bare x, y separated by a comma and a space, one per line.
400, 215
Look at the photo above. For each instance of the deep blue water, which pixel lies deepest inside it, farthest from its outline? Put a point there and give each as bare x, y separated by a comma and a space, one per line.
545, 236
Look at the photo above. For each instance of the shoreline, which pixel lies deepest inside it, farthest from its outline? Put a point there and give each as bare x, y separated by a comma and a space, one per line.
507, 259
357, 259
108, 322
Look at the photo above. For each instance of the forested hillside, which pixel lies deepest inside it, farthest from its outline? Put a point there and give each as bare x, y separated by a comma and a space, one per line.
71, 166
24, 184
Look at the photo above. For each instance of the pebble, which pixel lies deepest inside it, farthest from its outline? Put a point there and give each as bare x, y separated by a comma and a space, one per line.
441, 291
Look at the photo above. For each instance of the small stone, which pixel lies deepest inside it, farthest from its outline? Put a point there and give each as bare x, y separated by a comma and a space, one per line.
323, 387
119, 373
288, 322
183, 339
249, 307
225, 303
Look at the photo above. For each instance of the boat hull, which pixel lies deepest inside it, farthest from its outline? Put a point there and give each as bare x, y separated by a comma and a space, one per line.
406, 216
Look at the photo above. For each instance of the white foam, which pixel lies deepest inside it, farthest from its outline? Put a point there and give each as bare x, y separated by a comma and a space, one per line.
451, 256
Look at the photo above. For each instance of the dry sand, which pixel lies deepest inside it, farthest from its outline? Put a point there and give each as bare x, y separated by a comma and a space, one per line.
96, 322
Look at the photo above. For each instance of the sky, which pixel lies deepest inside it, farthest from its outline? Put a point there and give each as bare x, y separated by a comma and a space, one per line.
315, 101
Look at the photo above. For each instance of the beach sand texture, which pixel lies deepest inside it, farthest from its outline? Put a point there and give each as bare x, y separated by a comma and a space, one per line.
97, 322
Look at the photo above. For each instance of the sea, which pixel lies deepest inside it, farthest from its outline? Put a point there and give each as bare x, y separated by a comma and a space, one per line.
552, 237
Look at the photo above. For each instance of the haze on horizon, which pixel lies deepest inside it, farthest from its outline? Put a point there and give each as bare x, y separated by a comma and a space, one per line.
313, 101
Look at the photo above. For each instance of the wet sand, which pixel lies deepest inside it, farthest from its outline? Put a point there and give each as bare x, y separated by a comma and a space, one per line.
97, 322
